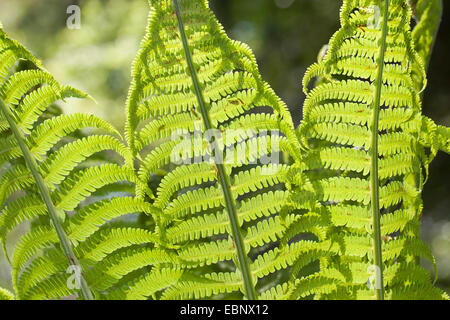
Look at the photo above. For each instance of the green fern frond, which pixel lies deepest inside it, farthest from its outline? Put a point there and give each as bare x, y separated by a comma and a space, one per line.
191, 286
367, 142
428, 16
57, 160
169, 99
6, 294
215, 193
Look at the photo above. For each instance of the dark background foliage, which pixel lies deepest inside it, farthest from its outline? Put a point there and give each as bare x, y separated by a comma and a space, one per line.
286, 36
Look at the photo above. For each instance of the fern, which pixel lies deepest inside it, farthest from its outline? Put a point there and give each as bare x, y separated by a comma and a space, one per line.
190, 75
367, 143
315, 211
428, 17
49, 171
6, 295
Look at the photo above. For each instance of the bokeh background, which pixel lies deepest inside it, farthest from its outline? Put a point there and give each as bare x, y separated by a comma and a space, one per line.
286, 36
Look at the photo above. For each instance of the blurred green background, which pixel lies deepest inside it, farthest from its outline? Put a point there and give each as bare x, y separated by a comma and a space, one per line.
286, 36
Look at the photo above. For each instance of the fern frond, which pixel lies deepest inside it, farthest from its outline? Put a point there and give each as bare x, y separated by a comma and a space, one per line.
428, 16
149, 284
215, 194
6, 294
57, 159
191, 286
188, 78
365, 135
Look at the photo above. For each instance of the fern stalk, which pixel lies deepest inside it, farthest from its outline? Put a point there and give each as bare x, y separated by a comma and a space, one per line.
45, 194
428, 18
374, 183
223, 178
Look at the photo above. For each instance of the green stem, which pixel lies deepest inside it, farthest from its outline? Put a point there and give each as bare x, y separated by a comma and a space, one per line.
428, 21
374, 183
439, 6
45, 195
223, 178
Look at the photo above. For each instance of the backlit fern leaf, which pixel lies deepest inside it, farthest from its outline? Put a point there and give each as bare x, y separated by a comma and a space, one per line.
216, 194
337, 131
428, 17
68, 164
6, 294
164, 123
